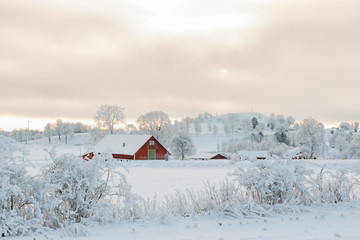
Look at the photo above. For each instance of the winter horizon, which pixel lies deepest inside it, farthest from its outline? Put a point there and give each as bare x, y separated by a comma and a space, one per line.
10, 123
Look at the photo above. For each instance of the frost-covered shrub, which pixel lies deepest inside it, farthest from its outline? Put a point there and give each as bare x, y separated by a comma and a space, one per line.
212, 198
69, 193
16, 215
265, 188
334, 187
274, 182
77, 191
261, 188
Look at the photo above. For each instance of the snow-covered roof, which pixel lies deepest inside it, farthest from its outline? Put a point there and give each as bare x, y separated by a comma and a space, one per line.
121, 144
253, 154
204, 155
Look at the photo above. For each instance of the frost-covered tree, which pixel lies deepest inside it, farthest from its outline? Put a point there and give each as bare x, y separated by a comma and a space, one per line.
80, 127
48, 130
182, 146
57, 128
254, 122
215, 130
19, 135
341, 144
257, 137
246, 124
345, 126
353, 149
340, 139
186, 124
281, 137
232, 123
290, 120
311, 138
109, 116
210, 127
280, 119
197, 126
130, 128
356, 126
67, 130
156, 123
227, 128
271, 121
281, 124
204, 115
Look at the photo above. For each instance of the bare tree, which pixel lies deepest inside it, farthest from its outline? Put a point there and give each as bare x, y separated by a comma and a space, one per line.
109, 116
155, 123
182, 145
48, 129
311, 138
57, 127
67, 130
197, 126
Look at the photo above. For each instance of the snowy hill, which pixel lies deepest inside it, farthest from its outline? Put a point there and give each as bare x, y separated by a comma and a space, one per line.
207, 124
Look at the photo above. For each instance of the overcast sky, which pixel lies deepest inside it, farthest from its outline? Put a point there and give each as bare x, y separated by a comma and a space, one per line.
62, 59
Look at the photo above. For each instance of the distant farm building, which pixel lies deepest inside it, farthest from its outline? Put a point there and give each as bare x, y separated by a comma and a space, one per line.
207, 156
248, 155
296, 154
131, 147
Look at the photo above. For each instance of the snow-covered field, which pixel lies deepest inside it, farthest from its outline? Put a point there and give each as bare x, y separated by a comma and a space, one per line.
325, 223
338, 221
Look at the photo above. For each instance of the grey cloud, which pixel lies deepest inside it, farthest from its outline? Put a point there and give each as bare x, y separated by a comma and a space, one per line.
61, 61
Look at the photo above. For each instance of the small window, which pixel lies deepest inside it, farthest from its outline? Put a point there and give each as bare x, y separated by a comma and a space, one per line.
123, 144
152, 143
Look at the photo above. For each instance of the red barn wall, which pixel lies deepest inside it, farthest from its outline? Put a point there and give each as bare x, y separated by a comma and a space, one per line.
123, 156
142, 153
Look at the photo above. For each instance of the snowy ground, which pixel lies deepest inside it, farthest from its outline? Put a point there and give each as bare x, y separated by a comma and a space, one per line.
163, 178
325, 223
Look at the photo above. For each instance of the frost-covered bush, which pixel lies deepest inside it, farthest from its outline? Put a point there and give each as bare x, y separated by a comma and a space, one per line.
274, 182
69, 193
341, 185
289, 182
16, 212
77, 191
265, 188
211, 198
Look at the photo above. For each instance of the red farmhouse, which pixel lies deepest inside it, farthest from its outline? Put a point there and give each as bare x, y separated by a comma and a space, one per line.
132, 147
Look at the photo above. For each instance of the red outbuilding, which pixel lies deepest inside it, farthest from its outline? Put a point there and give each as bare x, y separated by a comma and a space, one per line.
207, 156
131, 147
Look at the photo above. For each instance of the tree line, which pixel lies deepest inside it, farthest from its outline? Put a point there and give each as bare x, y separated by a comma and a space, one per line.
278, 134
